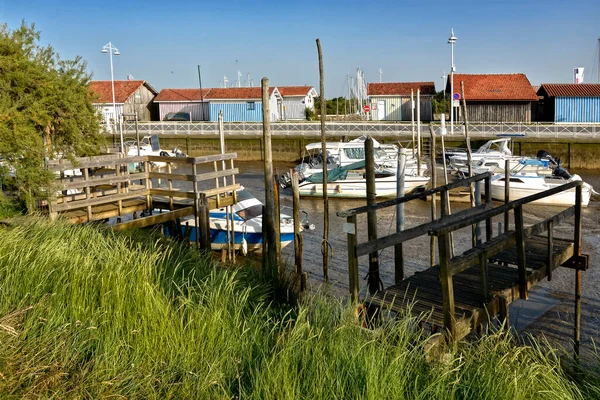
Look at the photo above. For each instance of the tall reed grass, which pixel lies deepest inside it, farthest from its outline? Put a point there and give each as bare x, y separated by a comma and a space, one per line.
90, 314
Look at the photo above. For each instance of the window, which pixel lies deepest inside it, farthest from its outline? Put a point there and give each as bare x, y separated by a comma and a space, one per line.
250, 106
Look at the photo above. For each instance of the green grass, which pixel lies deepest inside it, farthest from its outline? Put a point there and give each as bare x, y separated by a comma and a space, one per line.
89, 314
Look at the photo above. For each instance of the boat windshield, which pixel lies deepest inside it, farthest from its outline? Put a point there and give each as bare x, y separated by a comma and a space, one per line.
250, 212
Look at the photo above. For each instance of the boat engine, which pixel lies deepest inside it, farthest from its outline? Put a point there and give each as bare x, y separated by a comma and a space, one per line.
561, 172
545, 155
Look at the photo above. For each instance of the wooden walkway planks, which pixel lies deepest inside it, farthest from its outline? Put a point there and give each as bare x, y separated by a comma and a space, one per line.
421, 292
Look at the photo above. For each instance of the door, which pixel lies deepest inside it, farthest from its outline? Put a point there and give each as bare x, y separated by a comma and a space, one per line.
380, 110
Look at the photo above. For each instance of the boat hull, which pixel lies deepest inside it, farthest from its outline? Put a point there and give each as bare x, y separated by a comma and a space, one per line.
357, 189
516, 192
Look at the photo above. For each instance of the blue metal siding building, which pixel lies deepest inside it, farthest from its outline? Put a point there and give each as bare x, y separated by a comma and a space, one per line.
570, 102
247, 111
577, 109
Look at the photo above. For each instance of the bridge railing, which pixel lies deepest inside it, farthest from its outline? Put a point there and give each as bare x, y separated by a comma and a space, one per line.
353, 129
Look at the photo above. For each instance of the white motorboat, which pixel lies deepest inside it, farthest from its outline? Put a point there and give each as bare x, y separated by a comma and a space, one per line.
523, 184
149, 146
350, 182
496, 150
341, 154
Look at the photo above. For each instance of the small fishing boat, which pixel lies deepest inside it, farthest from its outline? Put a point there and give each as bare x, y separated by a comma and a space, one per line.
247, 225
350, 182
523, 184
493, 150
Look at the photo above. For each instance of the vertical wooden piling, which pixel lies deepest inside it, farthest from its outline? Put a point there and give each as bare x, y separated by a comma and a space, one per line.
277, 223
86, 178
371, 215
298, 244
269, 215
412, 121
204, 221
398, 249
351, 230
488, 201
196, 203
506, 191
447, 285
483, 276
433, 185
469, 157
577, 251
521, 261
325, 245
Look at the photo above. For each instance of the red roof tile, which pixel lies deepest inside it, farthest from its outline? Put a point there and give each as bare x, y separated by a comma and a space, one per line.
294, 90
235, 93
571, 89
400, 88
495, 87
181, 94
123, 90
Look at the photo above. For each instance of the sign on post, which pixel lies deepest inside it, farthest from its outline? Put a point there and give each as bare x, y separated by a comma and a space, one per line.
367, 108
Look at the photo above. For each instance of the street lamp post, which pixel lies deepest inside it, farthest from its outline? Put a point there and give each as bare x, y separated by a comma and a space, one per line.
444, 92
110, 49
451, 41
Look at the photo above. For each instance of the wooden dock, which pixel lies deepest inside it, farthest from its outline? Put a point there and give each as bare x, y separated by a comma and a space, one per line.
96, 188
467, 291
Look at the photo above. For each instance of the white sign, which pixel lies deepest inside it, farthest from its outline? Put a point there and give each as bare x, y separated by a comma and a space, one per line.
578, 75
455, 103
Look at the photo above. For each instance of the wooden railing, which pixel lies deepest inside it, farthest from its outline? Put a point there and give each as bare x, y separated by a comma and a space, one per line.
101, 186
481, 252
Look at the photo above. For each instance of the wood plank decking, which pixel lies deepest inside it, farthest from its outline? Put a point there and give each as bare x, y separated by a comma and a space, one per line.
420, 293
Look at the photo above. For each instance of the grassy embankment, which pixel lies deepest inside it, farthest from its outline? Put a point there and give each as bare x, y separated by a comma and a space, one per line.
89, 314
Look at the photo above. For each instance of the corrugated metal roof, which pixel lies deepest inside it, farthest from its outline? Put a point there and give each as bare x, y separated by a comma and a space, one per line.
294, 90
181, 94
123, 90
400, 88
494, 87
571, 89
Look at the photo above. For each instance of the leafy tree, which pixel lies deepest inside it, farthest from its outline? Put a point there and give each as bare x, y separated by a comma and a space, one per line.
45, 109
338, 105
438, 103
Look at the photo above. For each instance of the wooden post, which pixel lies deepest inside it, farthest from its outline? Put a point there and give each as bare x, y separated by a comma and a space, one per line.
297, 236
325, 246
269, 215
204, 222
521, 261
119, 191
277, 223
469, 157
447, 286
170, 181
350, 229
196, 204
433, 185
488, 200
86, 179
148, 182
577, 250
398, 250
506, 191
371, 215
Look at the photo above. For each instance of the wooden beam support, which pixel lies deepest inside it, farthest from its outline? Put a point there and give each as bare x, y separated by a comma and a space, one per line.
520, 244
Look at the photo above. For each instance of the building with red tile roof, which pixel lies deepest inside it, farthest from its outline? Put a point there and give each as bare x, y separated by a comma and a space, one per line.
296, 99
239, 104
391, 101
131, 96
495, 97
570, 102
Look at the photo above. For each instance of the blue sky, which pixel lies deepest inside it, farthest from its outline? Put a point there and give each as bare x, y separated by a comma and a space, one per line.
164, 41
